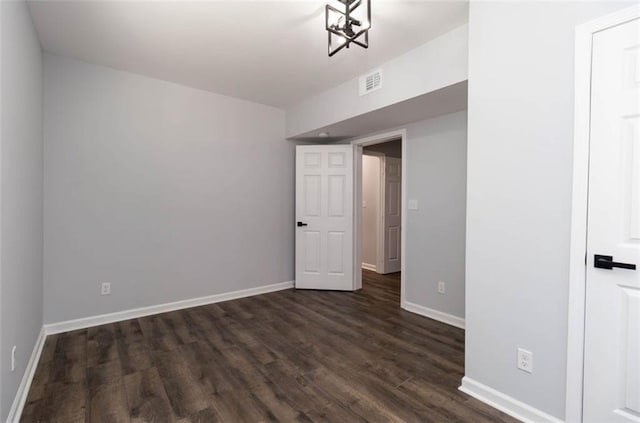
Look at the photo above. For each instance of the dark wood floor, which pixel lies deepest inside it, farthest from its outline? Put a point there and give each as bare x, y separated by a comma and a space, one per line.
286, 356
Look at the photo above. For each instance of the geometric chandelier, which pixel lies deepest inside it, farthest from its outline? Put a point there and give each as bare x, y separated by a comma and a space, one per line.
347, 23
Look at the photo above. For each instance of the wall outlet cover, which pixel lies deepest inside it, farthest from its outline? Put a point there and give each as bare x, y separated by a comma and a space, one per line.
525, 360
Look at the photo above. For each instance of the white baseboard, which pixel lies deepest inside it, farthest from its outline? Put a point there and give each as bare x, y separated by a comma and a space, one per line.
23, 390
449, 319
505, 403
368, 266
102, 319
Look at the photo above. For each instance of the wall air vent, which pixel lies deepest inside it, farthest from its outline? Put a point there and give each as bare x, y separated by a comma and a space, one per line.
370, 82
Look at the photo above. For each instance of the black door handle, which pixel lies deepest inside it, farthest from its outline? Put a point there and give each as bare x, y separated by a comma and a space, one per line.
301, 224
606, 262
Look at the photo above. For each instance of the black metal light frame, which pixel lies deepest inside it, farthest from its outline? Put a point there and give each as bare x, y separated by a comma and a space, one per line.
346, 31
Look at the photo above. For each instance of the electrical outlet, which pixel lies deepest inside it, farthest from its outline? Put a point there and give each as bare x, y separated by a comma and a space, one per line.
441, 287
13, 359
105, 288
525, 360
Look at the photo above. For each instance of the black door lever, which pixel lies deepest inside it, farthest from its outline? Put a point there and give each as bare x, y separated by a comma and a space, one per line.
606, 262
301, 224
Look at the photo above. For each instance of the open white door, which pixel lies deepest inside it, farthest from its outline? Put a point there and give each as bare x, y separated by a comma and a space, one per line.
612, 327
324, 217
391, 238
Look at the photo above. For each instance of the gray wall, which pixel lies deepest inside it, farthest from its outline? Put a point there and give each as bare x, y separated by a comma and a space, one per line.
521, 76
165, 191
371, 204
21, 195
435, 245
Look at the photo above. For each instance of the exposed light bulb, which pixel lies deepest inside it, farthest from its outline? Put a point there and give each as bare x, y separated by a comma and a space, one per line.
340, 40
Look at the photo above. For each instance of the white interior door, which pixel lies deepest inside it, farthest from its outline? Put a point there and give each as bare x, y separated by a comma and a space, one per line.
324, 217
612, 331
392, 214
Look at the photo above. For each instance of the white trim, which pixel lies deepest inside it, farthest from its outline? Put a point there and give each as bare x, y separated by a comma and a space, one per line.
23, 390
368, 266
579, 202
379, 139
447, 318
357, 217
505, 403
102, 319
403, 221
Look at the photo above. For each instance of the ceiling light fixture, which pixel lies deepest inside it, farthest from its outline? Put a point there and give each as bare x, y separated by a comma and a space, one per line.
347, 23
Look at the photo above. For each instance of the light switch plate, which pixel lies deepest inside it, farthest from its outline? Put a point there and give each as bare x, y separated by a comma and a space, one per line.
413, 204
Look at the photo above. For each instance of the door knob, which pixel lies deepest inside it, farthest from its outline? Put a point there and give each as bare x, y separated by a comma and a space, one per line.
301, 224
606, 262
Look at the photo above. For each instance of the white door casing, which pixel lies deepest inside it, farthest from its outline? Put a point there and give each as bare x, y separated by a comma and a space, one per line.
324, 203
392, 216
612, 324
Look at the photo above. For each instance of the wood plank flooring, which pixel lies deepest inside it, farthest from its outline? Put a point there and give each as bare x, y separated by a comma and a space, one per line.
290, 356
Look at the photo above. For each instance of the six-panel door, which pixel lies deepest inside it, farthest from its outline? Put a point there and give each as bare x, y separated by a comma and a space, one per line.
392, 214
324, 217
612, 330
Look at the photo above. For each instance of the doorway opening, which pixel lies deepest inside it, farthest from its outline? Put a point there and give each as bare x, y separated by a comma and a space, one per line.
380, 213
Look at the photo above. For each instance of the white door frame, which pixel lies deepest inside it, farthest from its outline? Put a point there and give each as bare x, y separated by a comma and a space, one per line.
579, 202
379, 215
359, 144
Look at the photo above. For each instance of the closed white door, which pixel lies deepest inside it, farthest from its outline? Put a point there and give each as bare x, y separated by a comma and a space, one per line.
392, 214
324, 217
612, 331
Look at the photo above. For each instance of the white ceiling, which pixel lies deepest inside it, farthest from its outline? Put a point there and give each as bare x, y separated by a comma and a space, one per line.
270, 52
